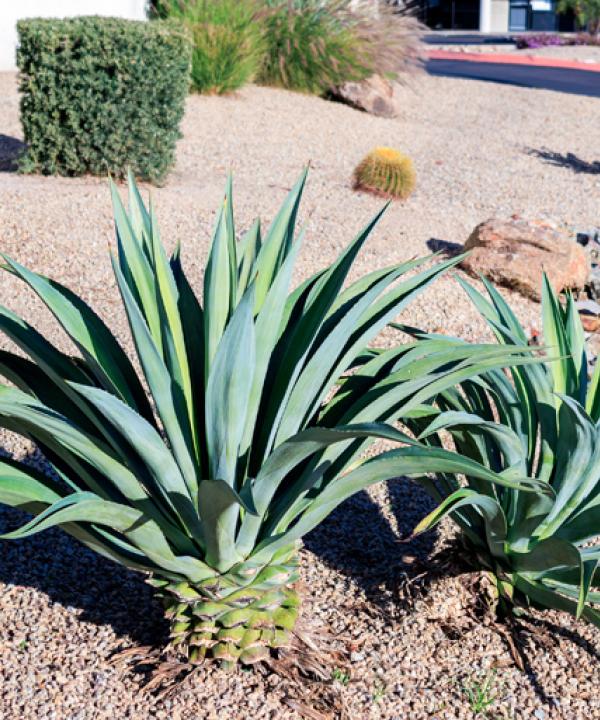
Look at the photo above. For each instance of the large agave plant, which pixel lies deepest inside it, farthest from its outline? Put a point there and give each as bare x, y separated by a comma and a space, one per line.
244, 444
544, 424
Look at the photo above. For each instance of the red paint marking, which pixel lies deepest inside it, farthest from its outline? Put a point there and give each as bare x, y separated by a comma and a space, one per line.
499, 58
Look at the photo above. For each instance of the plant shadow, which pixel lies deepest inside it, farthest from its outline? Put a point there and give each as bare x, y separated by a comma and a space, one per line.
566, 160
359, 541
73, 576
445, 247
11, 150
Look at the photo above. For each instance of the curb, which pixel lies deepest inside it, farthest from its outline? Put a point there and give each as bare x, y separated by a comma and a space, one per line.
510, 59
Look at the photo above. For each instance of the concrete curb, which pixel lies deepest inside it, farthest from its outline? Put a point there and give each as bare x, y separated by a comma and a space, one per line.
511, 59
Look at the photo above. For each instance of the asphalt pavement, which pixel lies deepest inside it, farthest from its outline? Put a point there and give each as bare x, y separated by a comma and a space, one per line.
561, 79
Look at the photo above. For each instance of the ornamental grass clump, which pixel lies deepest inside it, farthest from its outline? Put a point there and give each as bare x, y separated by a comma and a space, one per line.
316, 45
386, 172
228, 41
540, 548
252, 432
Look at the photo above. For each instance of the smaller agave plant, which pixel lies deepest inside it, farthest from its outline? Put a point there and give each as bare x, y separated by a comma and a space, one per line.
262, 400
541, 548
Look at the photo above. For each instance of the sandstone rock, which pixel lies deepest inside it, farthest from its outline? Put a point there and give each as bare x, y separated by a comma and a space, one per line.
514, 253
374, 95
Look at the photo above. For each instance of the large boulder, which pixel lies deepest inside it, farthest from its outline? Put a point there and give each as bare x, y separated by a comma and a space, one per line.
514, 252
374, 95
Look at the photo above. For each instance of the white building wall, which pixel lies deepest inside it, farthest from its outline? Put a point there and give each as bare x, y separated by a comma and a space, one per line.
499, 16
493, 15
13, 10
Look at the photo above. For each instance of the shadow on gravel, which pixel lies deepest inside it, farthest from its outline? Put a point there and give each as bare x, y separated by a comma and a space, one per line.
73, 576
566, 160
10, 150
447, 248
358, 541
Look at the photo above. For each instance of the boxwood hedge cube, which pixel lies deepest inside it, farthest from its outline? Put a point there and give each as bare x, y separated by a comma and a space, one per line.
101, 95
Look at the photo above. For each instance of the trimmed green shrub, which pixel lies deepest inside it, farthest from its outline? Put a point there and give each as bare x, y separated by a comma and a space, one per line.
385, 171
228, 41
100, 95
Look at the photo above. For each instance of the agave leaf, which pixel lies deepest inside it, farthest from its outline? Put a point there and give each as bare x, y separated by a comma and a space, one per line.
249, 248
391, 398
277, 242
138, 215
546, 597
136, 271
106, 359
24, 487
55, 430
31, 379
290, 454
575, 341
171, 322
371, 322
145, 534
507, 328
145, 440
231, 243
228, 391
582, 526
592, 404
554, 335
310, 383
495, 526
218, 503
267, 329
545, 555
170, 405
411, 461
298, 341
507, 440
578, 464
217, 290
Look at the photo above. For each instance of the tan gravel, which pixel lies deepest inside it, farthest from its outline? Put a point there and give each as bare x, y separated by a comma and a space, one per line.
64, 611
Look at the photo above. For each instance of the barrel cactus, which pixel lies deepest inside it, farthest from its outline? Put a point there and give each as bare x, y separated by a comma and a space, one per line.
387, 172
253, 430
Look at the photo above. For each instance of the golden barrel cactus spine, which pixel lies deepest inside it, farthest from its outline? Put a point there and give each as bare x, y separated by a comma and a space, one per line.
385, 171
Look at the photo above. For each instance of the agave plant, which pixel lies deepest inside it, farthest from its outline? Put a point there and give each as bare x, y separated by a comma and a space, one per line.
545, 424
253, 430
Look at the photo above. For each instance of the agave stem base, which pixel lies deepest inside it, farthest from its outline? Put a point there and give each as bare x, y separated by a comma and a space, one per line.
239, 616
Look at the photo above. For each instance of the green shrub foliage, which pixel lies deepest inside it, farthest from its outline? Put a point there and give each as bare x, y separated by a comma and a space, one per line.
100, 95
228, 41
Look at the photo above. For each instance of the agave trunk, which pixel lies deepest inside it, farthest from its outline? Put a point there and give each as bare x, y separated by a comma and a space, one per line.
238, 616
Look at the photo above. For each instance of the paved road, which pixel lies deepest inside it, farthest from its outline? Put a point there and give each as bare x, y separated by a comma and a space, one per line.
579, 82
474, 38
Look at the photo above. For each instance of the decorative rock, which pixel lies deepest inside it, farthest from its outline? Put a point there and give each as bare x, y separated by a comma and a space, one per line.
514, 253
374, 95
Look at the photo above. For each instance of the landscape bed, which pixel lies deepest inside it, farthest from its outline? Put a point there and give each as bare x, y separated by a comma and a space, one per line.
414, 648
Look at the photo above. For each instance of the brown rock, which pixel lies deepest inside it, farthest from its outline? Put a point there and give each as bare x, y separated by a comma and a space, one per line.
514, 253
374, 95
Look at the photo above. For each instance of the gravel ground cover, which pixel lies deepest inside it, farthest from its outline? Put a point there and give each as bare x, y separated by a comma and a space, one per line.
416, 645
